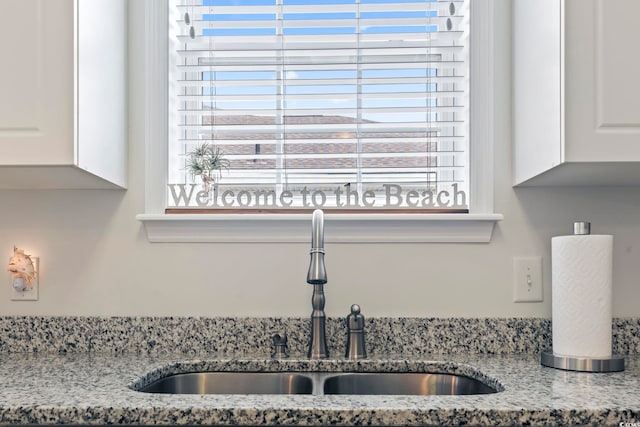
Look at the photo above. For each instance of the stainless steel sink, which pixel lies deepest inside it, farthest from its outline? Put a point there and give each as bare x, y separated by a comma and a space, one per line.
232, 383
380, 383
404, 384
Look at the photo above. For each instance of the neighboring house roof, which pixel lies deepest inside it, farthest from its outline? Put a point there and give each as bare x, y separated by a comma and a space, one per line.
415, 143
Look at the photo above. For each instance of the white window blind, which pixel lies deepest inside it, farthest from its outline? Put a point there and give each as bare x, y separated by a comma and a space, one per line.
352, 104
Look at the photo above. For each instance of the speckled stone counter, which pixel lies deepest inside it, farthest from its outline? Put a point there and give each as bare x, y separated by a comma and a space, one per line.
94, 389
82, 371
408, 336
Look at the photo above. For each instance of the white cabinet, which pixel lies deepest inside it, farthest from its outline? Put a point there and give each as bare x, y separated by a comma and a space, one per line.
576, 92
63, 94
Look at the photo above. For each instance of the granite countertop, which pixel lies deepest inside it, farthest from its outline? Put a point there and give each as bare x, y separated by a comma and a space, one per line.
92, 388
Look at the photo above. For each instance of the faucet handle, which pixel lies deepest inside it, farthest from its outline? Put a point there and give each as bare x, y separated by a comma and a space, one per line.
355, 320
280, 348
355, 334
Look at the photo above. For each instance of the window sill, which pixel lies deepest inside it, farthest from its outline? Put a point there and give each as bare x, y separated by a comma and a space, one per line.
340, 228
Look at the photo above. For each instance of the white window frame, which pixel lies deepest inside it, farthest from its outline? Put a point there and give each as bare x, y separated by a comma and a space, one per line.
475, 226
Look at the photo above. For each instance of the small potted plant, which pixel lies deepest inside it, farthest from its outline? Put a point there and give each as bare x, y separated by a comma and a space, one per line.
206, 161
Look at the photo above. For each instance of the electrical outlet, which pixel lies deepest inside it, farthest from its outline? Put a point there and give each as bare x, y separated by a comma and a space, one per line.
527, 279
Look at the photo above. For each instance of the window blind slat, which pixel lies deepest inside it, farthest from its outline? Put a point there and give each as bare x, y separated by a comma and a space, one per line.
363, 41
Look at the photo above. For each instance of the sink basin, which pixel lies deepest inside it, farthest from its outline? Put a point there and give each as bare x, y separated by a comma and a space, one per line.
232, 383
404, 384
380, 383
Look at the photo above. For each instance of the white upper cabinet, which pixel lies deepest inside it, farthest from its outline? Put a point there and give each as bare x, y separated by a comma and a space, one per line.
63, 94
576, 92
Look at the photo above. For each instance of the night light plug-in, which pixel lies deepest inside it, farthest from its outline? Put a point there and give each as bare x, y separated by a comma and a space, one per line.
24, 271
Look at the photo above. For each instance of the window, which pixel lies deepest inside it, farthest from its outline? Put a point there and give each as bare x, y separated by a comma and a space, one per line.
475, 226
319, 104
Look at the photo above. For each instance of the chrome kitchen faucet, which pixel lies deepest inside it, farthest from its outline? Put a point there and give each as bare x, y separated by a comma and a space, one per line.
317, 276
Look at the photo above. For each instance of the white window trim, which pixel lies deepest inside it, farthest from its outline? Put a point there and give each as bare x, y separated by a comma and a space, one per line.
476, 226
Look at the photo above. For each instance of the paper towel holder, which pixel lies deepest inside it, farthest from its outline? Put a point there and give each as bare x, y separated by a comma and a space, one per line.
582, 364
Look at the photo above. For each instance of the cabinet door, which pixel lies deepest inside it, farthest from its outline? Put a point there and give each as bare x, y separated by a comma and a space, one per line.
537, 84
36, 82
602, 79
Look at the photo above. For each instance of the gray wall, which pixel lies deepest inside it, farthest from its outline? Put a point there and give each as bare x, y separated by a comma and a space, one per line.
95, 259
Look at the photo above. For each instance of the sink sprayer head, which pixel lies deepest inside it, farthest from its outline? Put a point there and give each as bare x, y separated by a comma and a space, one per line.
317, 274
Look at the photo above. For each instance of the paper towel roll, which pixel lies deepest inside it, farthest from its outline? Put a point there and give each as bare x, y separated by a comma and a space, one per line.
581, 290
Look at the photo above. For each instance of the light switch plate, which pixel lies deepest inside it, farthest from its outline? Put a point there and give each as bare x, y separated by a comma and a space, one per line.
527, 279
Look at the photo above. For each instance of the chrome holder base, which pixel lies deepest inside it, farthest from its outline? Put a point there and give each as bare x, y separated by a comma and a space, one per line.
582, 364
